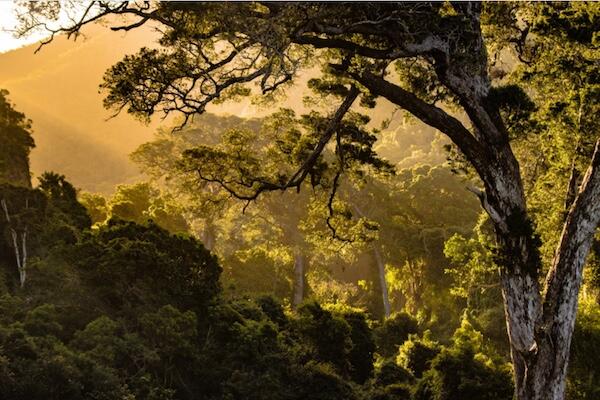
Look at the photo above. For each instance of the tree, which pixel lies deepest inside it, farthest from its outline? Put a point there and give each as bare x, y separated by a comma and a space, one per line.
274, 233
131, 267
414, 55
63, 200
95, 205
37, 221
141, 201
160, 160
17, 142
465, 371
416, 210
17, 221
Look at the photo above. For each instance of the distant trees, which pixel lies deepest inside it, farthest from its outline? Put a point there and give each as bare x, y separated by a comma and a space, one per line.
25, 212
138, 202
34, 221
283, 232
21, 211
288, 232
136, 311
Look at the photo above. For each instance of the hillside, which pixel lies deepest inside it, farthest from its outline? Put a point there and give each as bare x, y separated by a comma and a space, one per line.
58, 89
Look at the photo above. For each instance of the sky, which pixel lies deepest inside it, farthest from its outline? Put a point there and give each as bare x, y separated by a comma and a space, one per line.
7, 24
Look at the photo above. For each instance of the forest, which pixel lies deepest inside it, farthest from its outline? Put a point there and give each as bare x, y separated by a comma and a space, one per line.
410, 214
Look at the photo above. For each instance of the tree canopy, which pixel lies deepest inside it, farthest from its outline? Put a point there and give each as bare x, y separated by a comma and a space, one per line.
440, 62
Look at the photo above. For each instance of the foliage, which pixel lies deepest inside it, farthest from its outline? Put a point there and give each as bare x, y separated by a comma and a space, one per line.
416, 56
95, 205
393, 332
417, 353
63, 200
463, 371
17, 142
585, 353
132, 267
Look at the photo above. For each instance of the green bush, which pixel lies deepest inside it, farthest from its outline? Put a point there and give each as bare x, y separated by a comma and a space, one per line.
584, 377
417, 353
393, 332
463, 371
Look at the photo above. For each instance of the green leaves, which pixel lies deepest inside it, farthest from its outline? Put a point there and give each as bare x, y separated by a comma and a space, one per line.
464, 370
122, 256
17, 142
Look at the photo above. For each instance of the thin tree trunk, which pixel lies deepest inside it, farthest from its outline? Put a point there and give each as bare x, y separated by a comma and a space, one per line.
20, 257
299, 275
208, 237
23, 269
385, 294
382, 282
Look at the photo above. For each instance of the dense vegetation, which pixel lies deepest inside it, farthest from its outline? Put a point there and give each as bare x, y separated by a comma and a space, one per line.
379, 278
132, 309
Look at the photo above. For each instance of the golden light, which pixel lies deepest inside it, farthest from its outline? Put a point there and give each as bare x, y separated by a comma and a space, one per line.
9, 23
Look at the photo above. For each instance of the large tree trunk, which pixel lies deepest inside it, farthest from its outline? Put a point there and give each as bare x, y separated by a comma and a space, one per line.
563, 282
540, 323
541, 328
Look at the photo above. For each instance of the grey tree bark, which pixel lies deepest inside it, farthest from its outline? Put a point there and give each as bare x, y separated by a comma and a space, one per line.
385, 294
20, 255
208, 237
540, 321
299, 279
387, 310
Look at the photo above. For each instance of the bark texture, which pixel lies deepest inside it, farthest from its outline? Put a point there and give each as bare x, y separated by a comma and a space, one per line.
540, 321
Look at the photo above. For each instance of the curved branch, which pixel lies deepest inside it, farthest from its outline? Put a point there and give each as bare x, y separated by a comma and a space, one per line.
261, 185
328, 43
300, 175
428, 113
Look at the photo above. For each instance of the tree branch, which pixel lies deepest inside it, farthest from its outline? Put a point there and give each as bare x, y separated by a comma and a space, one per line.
428, 113
300, 175
328, 43
260, 185
582, 221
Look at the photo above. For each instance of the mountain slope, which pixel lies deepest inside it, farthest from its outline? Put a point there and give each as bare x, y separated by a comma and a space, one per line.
58, 89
